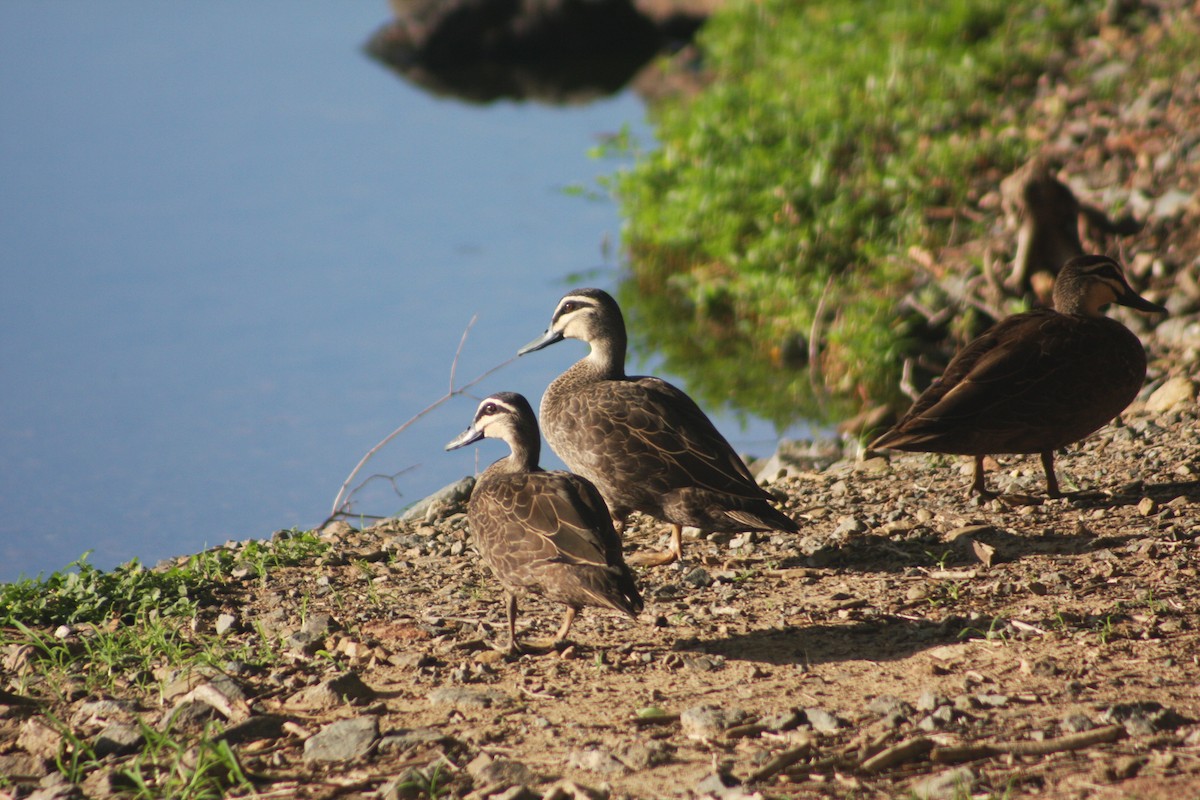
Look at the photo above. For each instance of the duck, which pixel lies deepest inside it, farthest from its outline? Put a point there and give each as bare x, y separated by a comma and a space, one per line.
1037, 381
644, 443
542, 532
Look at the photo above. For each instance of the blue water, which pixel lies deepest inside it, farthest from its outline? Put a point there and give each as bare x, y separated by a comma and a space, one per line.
237, 253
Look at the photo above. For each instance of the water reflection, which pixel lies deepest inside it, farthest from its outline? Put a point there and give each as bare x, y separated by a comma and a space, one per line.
239, 253
569, 51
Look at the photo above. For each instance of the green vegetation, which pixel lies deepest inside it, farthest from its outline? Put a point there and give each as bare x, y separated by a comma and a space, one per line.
122, 624
85, 630
834, 138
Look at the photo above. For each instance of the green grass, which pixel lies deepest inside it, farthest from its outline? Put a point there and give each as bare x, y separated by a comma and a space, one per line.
834, 137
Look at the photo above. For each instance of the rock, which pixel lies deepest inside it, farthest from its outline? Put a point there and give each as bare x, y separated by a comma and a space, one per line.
698, 577
596, 760
708, 721
1143, 719
515, 793
499, 773
225, 623
344, 740
55, 787
930, 700
570, 790
39, 739
946, 785
118, 739
1077, 723
464, 697
406, 739
824, 721
723, 786
1175, 392
345, 688
644, 755
261, 726
101, 712
449, 498
23, 765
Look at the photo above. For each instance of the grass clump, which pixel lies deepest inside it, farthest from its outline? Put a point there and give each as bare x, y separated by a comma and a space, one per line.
122, 624
833, 137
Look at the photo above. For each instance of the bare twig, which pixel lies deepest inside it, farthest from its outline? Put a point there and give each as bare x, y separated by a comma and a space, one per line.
342, 501
1075, 741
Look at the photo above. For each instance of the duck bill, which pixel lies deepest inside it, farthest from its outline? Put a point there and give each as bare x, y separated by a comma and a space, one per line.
1136, 301
469, 436
545, 340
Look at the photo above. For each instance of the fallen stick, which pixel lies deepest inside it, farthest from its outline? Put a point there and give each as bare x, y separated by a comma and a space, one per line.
1075, 741
897, 754
780, 762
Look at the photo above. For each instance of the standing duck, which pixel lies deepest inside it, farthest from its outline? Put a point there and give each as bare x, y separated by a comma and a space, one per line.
542, 532
645, 444
1035, 381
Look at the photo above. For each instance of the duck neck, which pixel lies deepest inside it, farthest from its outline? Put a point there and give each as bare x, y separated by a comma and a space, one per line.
524, 456
607, 357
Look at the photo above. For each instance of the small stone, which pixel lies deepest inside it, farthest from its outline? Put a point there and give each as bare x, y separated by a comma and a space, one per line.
570, 790
886, 705
39, 739
930, 700
1077, 723
465, 697
824, 721
991, 700
595, 760
225, 623
698, 577
1146, 506
945, 785
344, 688
1124, 768
644, 755
708, 721
344, 740
500, 773
118, 739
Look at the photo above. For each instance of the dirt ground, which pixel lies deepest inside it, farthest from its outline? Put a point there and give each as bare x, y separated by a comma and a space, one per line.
909, 642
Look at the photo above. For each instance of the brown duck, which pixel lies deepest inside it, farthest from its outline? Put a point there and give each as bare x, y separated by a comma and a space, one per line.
645, 444
1035, 381
542, 532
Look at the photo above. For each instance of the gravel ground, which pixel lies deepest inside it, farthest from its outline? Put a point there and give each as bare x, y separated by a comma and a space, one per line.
909, 642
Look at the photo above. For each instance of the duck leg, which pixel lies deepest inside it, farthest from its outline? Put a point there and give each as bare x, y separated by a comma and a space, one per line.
1051, 478
672, 553
979, 485
510, 600
568, 618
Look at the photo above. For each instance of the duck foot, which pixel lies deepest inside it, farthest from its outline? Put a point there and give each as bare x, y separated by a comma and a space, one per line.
652, 559
671, 554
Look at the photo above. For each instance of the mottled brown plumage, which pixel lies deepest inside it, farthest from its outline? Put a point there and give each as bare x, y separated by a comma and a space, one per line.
543, 532
645, 444
1036, 381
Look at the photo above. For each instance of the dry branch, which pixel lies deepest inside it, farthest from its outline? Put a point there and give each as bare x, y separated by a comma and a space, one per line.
341, 503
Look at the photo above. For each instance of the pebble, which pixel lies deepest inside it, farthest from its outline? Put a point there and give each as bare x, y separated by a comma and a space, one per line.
344, 688
118, 739
344, 740
596, 760
466, 697
946, 785
499, 772
1077, 723
708, 721
824, 721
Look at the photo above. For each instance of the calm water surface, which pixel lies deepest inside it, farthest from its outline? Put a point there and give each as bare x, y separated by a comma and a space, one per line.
237, 253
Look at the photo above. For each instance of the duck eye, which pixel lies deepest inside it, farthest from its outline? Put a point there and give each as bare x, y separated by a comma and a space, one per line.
487, 410
570, 305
